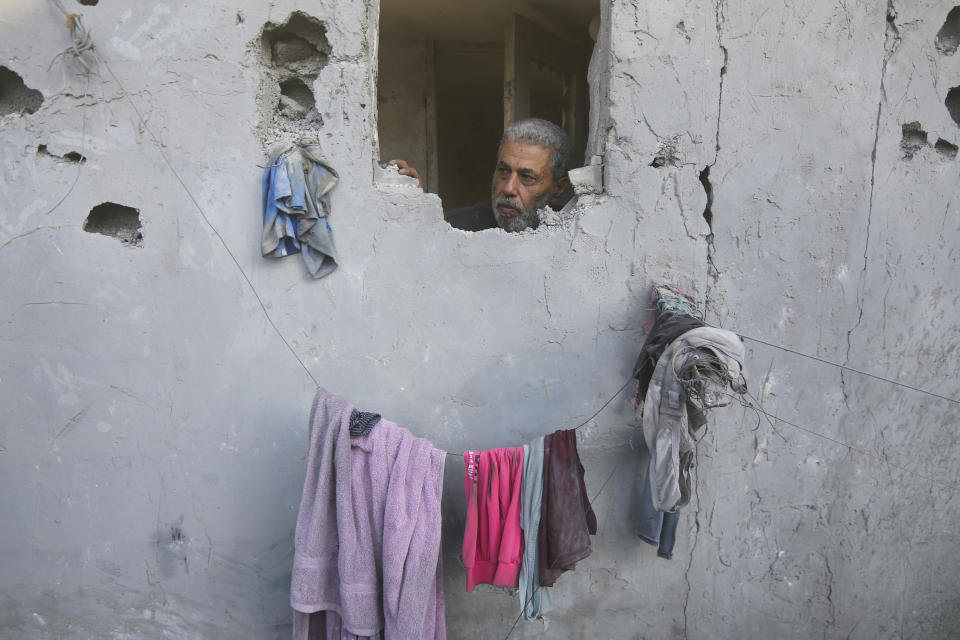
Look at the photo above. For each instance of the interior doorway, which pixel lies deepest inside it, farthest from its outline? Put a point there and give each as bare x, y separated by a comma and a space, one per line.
453, 75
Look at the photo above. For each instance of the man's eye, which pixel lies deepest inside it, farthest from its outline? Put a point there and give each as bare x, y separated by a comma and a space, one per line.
503, 171
528, 180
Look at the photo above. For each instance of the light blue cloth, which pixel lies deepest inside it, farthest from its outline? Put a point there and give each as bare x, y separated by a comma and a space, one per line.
534, 599
296, 207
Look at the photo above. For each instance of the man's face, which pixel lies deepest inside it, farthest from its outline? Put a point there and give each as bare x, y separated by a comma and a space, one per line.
522, 184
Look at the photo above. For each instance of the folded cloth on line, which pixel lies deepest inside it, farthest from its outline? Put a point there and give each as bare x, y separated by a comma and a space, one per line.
296, 207
367, 539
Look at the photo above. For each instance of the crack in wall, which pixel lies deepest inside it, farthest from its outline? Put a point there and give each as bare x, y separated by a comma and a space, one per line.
891, 43
712, 271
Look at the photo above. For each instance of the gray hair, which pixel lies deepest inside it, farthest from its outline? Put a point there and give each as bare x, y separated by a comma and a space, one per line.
542, 133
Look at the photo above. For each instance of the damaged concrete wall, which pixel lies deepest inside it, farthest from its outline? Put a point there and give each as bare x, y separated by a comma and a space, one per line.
793, 164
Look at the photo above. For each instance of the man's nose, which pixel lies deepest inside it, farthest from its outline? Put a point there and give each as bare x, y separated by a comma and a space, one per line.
511, 186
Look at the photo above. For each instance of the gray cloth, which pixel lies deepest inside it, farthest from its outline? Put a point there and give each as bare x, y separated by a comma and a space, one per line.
665, 424
534, 599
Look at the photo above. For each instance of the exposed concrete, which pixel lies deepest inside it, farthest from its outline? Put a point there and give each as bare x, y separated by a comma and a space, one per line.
152, 451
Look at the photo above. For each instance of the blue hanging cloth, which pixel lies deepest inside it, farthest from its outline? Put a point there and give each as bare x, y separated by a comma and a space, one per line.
296, 207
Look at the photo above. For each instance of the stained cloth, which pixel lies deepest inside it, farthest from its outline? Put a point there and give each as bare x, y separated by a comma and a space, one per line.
665, 416
375, 578
668, 326
566, 519
534, 599
296, 207
492, 537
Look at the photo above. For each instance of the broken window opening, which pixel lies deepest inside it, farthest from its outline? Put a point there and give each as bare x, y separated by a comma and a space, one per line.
451, 78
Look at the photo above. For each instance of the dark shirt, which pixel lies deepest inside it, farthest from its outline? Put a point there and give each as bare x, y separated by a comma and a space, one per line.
475, 217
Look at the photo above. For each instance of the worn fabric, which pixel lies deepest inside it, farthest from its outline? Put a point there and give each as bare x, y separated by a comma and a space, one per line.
376, 578
361, 422
567, 520
669, 326
655, 527
492, 537
296, 207
534, 599
665, 425
475, 217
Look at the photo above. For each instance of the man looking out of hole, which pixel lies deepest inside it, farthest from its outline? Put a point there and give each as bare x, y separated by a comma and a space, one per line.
531, 173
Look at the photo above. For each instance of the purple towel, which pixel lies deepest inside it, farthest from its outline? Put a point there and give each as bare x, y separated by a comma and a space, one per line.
375, 578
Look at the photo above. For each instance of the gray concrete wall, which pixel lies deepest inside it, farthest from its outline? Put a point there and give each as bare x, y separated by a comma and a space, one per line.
154, 430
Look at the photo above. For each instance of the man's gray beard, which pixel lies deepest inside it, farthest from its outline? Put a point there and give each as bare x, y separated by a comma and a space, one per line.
528, 218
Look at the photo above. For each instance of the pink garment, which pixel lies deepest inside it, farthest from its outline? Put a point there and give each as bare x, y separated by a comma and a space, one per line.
493, 538
375, 578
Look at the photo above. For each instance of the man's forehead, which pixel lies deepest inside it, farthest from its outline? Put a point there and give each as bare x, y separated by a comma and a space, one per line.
523, 155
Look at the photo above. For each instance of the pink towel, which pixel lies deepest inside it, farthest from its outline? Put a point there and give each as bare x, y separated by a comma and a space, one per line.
492, 537
376, 578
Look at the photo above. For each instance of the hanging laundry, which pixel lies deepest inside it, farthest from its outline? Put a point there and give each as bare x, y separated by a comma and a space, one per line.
492, 537
296, 207
566, 518
697, 366
669, 326
352, 574
677, 382
656, 527
534, 599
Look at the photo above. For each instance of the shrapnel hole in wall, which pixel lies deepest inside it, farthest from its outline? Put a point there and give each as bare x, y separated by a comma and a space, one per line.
117, 221
88, 3
948, 38
912, 140
71, 156
952, 102
946, 149
15, 96
291, 56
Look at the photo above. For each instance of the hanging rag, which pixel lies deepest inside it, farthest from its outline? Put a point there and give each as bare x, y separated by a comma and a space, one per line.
698, 365
567, 520
534, 599
492, 537
367, 541
296, 207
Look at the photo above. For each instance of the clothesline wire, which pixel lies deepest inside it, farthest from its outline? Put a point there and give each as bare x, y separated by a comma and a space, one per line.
755, 405
851, 369
585, 422
176, 174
